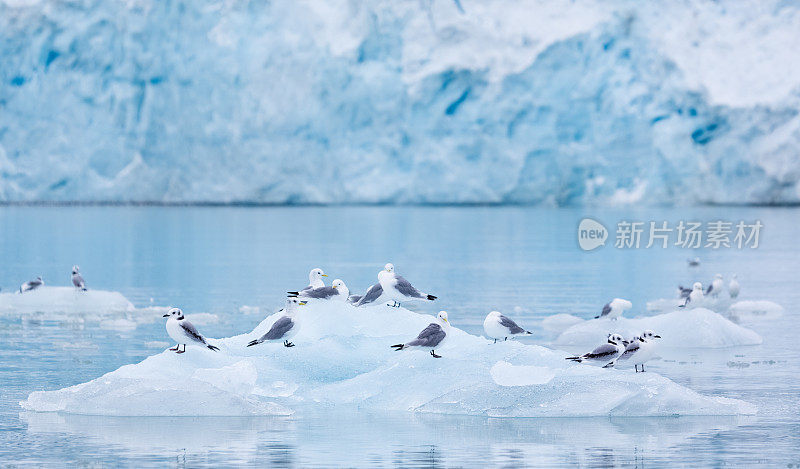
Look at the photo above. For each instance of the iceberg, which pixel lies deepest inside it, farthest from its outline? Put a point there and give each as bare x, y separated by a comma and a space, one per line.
342, 358
694, 328
50, 301
497, 101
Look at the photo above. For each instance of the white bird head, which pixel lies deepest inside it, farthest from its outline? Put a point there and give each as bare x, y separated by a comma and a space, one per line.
615, 339
174, 313
697, 286
389, 267
442, 316
292, 303
316, 274
495, 314
39, 278
341, 287
75, 269
649, 335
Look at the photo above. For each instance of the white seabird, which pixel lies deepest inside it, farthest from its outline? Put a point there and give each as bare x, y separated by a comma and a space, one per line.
498, 326
338, 290
285, 327
640, 350
716, 286
606, 353
31, 284
183, 332
315, 279
696, 295
733, 287
430, 337
614, 308
398, 289
77, 278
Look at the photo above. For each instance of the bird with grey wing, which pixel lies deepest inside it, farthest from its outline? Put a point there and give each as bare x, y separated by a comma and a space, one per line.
314, 280
373, 294
639, 351
337, 291
77, 278
430, 337
604, 354
183, 332
498, 327
285, 327
397, 288
614, 308
31, 285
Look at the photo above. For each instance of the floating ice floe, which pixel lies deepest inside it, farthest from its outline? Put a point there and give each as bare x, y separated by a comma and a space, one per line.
342, 358
698, 327
755, 309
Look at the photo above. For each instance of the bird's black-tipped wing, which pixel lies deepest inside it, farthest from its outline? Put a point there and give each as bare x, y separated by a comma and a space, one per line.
603, 351
278, 329
191, 331
405, 288
606, 310
322, 293
77, 280
632, 348
710, 288
510, 325
371, 295
431, 336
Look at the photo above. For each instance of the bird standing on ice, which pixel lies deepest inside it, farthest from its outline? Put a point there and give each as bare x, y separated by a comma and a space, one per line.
398, 289
639, 350
77, 279
498, 326
733, 287
606, 353
183, 332
695, 296
31, 285
716, 286
614, 308
285, 327
315, 279
430, 337
338, 291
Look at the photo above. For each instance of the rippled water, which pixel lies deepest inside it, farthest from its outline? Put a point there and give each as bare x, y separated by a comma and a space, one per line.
519, 260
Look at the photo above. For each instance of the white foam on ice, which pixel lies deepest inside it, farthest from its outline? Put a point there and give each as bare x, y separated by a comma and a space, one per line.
699, 327
342, 358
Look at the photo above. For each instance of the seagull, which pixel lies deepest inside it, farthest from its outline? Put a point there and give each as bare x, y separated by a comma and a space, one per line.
696, 294
639, 350
498, 326
372, 295
716, 286
183, 332
397, 288
693, 262
77, 279
614, 308
605, 353
31, 285
315, 279
733, 287
431, 336
338, 290
285, 327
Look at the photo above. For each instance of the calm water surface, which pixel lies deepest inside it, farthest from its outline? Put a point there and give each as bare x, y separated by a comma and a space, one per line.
521, 260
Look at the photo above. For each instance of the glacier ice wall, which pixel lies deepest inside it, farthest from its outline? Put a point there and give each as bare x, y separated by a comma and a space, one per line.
441, 101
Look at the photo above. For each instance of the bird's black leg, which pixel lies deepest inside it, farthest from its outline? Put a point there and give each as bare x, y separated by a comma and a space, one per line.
182, 351
636, 367
286, 343
642, 367
505, 339
433, 354
177, 346
495, 340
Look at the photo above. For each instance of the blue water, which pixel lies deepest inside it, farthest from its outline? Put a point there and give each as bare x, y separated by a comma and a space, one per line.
520, 260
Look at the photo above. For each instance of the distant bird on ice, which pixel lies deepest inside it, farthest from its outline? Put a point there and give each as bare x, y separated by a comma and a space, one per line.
183, 332
285, 327
716, 286
498, 326
733, 287
77, 279
640, 350
614, 308
337, 291
430, 337
31, 285
696, 295
398, 289
604, 354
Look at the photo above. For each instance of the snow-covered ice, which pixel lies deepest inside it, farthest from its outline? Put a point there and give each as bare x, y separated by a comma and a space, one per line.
342, 357
693, 328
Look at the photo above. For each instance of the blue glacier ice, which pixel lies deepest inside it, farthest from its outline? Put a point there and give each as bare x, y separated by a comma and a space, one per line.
557, 103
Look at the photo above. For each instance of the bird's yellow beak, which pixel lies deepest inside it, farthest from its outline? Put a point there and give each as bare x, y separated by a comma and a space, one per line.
302, 303
324, 275
445, 320
334, 286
